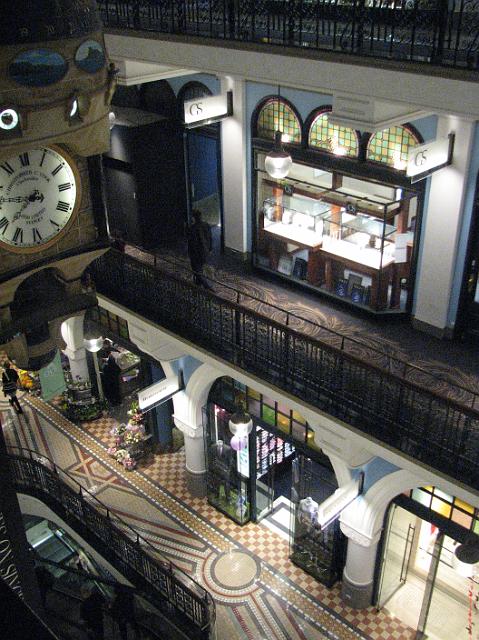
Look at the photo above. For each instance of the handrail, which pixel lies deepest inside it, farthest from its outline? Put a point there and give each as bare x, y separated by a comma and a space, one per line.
419, 422
440, 32
395, 365
136, 555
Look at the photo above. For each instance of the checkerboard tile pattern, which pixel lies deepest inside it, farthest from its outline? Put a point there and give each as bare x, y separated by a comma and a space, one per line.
168, 472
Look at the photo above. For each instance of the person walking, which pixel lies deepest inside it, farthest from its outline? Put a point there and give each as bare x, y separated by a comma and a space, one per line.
45, 582
10, 385
200, 243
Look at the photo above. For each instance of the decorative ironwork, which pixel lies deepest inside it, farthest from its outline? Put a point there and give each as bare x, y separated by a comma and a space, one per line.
340, 377
190, 606
441, 32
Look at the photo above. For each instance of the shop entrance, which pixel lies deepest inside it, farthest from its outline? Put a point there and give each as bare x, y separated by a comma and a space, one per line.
422, 582
468, 317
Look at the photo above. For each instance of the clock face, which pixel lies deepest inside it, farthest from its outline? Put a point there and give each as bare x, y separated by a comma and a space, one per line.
39, 194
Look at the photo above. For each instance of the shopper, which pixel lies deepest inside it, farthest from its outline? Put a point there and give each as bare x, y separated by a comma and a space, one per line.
10, 385
123, 610
111, 381
91, 612
45, 582
200, 243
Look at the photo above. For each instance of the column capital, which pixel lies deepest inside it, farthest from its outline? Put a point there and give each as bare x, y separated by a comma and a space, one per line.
189, 430
359, 537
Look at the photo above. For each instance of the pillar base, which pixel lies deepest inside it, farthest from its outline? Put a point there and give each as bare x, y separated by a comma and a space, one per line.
196, 484
357, 596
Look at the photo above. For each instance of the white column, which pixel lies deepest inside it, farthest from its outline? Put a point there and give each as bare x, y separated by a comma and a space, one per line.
234, 162
72, 333
441, 229
195, 456
358, 574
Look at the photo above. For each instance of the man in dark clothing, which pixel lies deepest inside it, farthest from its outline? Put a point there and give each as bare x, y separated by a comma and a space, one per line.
111, 381
200, 243
91, 611
123, 610
45, 582
9, 386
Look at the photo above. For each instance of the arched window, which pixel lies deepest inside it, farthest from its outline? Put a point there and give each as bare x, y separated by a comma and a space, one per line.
391, 146
325, 135
277, 115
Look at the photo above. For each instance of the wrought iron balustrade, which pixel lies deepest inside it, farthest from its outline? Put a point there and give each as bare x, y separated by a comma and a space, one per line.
441, 432
182, 600
442, 32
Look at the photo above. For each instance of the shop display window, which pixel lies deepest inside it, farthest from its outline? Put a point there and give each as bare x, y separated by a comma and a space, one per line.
353, 242
319, 552
227, 464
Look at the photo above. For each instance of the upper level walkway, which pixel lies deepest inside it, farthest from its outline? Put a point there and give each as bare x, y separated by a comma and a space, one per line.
433, 33
405, 389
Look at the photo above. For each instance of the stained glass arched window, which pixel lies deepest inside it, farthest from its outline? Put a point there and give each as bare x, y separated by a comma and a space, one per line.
391, 146
277, 115
325, 135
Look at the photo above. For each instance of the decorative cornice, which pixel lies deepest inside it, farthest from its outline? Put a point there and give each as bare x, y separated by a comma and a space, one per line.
187, 429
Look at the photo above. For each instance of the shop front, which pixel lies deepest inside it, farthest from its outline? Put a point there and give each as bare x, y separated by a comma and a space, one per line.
275, 474
420, 579
345, 220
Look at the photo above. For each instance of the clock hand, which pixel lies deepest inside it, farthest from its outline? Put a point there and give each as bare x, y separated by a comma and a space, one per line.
36, 195
15, 199
19, 213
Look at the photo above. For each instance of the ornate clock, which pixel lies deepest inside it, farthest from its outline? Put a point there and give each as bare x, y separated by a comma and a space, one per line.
39, 197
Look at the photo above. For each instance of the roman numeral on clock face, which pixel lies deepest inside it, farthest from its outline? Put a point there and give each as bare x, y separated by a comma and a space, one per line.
7, 167
55, 224
62, 206
24, 159
18, 235
57, 169
36, 235
3, 225
65, 186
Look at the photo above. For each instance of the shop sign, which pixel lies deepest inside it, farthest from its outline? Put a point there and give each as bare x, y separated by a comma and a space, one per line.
160, 392
332, 507
425, 159
52, 379
207, 110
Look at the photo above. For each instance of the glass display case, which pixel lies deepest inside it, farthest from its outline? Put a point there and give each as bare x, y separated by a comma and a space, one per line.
227, 465
354, 242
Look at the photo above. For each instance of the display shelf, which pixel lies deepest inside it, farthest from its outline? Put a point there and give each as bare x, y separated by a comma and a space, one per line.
360, 223
270, 450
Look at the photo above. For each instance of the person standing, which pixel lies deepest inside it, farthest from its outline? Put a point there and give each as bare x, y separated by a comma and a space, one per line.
123, 610
200, 243
111, 381
10, 385
91, 611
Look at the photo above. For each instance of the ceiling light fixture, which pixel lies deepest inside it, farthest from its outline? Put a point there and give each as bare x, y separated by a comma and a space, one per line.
278, 162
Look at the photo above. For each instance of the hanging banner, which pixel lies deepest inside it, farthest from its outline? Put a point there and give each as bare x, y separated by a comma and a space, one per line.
160, 392
427, 158
52, 378
208, 109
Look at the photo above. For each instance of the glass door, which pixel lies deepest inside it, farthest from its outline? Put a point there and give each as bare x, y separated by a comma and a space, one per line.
400, 534
266, 444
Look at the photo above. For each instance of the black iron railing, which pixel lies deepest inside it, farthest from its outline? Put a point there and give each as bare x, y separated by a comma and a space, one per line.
441, 432
183, 601
442, 32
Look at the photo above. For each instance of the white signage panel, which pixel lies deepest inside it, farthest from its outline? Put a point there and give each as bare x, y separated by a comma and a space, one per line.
208, 108
429, 157
159, 392
331, 508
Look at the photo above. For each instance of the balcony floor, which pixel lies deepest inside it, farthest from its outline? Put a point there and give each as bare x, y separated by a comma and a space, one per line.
442, 363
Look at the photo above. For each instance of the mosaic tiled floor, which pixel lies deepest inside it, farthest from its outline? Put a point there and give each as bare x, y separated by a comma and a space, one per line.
267, 596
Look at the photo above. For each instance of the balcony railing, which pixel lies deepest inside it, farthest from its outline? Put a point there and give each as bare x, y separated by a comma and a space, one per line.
441, 32
180, 598
439, 431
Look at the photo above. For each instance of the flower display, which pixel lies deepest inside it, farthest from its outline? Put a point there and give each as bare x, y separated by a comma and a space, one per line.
111, 451
129, 463
125, 437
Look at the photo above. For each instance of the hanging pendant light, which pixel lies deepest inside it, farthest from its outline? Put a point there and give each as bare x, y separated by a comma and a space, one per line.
278, 162
240, 423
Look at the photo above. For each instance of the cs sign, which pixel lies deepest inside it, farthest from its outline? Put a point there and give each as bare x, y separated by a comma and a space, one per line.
209, 109
429, 157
